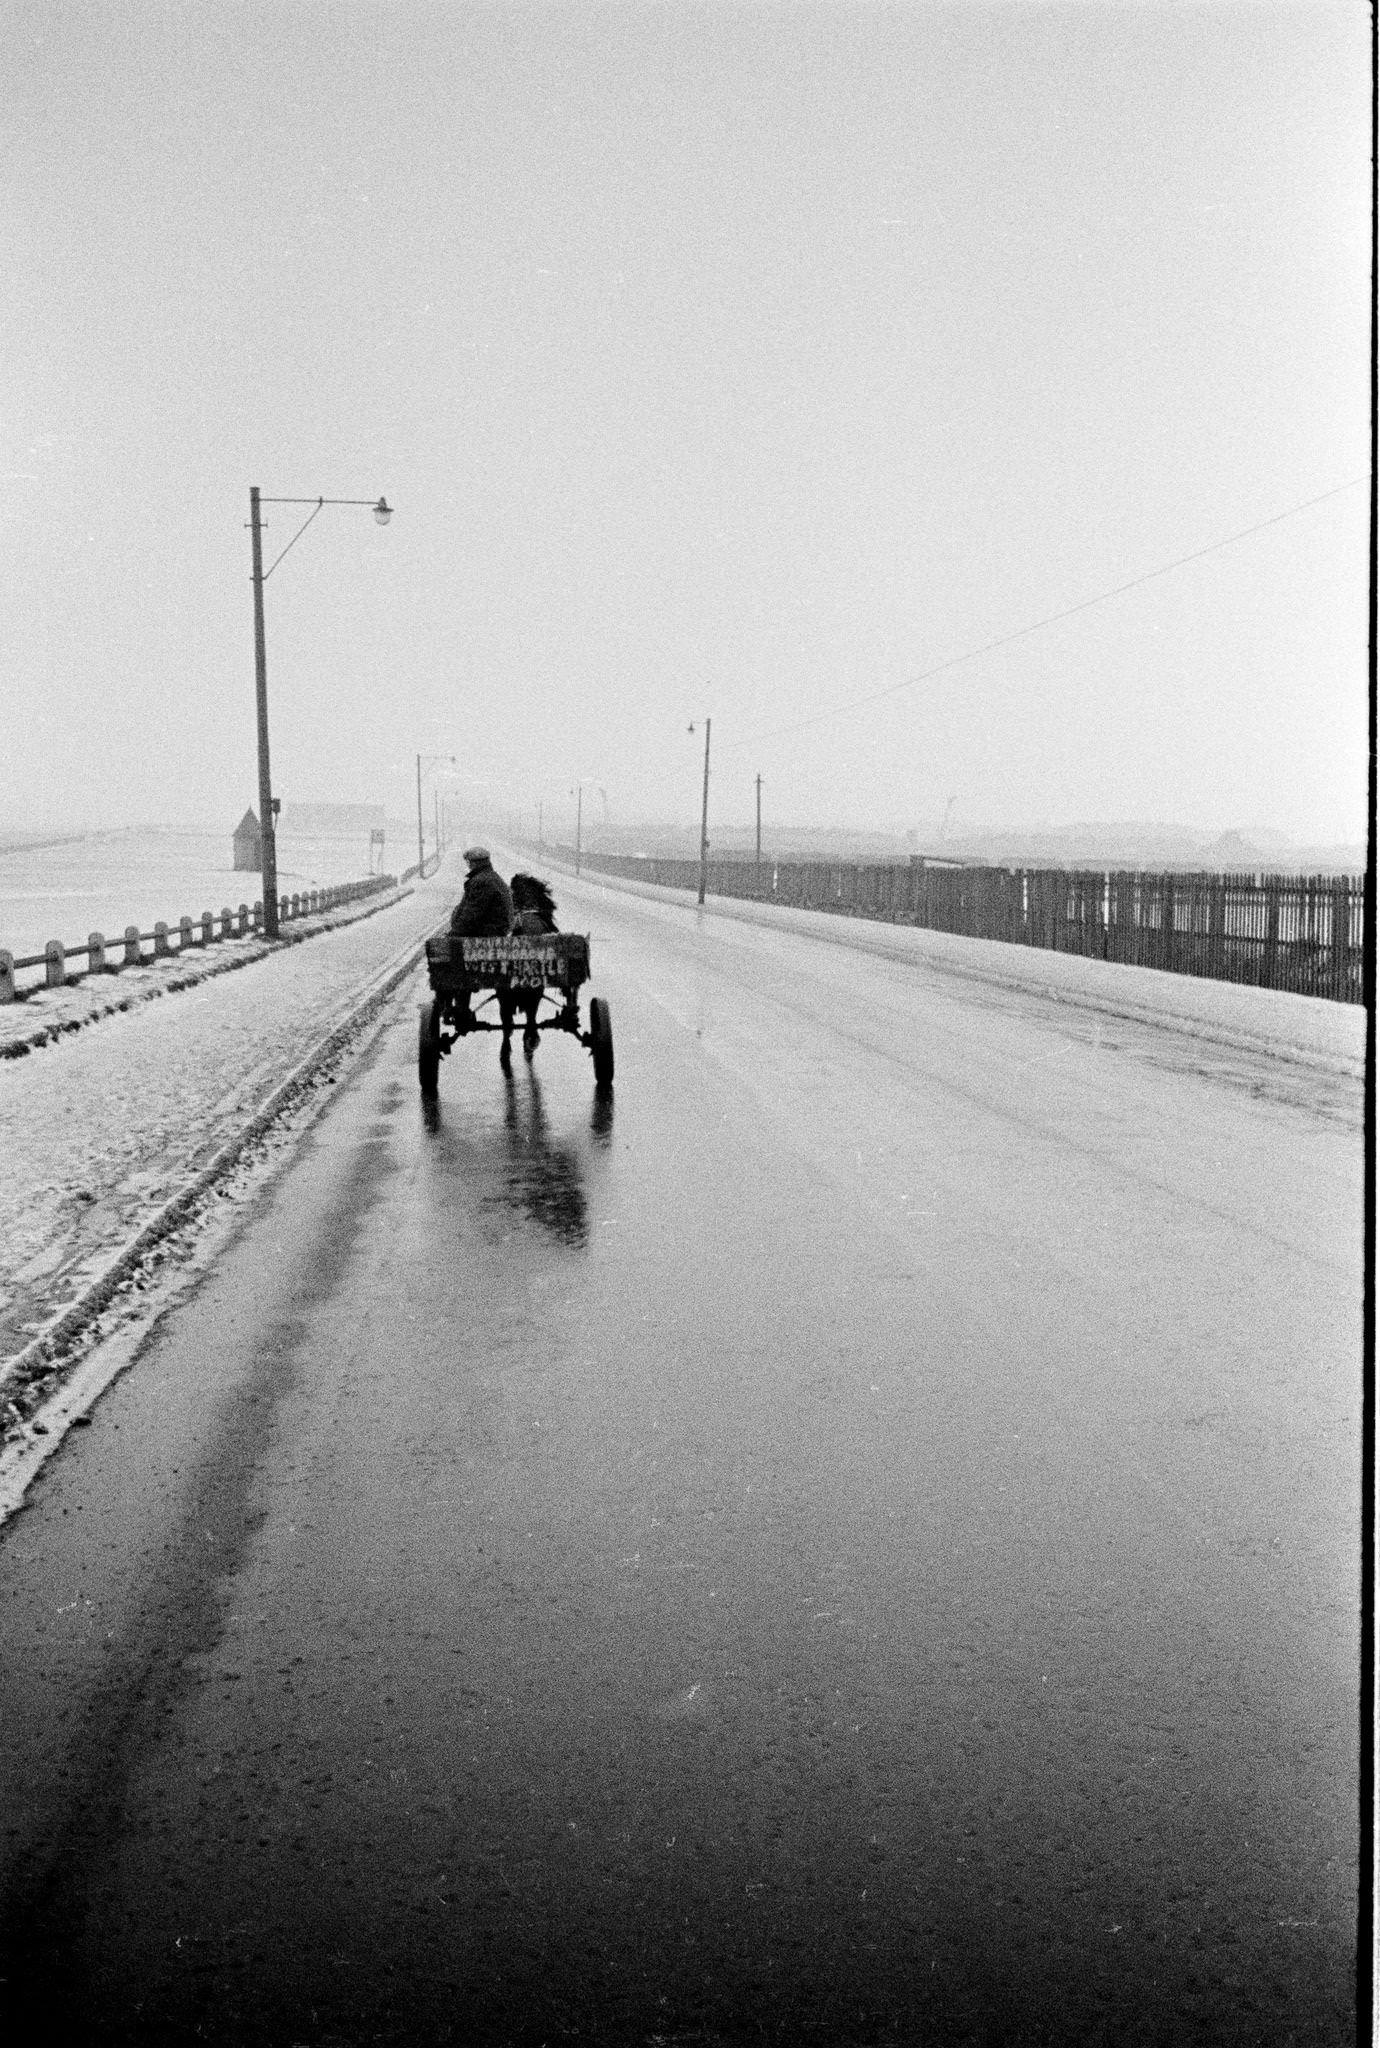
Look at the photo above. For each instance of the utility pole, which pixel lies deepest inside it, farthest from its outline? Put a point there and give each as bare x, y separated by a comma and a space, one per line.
268, 849
436, 817
704, 817
759, 821
421, 844
579, 814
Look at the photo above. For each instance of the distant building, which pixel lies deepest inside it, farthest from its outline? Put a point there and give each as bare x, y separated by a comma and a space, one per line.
325, 841
248, 845
329, 842
331, 821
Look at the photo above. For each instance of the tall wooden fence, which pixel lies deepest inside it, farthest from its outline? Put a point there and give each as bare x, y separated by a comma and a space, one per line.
1303, 933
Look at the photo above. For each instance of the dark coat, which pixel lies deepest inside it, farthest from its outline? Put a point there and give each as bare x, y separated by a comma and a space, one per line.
486, 908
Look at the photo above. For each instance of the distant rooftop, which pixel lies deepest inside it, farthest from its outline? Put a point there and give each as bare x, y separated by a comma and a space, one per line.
329, 821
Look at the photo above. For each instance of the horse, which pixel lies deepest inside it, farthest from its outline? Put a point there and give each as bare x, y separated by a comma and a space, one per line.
534, 910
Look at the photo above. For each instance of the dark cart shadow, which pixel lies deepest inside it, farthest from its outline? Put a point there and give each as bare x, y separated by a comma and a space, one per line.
531, 1171
544, 1177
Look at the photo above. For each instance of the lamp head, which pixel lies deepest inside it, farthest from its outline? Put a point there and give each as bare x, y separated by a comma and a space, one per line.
383, 511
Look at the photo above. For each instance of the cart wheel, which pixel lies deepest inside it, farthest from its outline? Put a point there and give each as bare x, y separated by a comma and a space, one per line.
601, 1043
428, 1047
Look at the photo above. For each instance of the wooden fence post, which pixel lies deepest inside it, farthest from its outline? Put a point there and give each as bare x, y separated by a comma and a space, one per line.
184, 934
54, 964
133, 950
95, 953
1269, 976
161, 948
208, 929
1341, 941
8, 993
242, 921
1217, 929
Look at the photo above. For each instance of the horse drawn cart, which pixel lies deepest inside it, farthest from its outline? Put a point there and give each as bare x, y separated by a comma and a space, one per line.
470, 976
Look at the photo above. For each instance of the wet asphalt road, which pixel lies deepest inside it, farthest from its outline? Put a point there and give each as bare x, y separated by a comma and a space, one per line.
852, 1541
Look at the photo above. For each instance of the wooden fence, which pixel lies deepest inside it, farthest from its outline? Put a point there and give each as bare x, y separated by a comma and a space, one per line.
98, 952
1303, 933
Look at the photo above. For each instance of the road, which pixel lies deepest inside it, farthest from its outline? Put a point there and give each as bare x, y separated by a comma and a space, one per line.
854, 1540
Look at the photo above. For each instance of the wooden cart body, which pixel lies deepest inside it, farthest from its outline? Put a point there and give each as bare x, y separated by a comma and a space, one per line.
526, 961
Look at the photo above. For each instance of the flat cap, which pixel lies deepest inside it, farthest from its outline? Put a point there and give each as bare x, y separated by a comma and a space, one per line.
476, 853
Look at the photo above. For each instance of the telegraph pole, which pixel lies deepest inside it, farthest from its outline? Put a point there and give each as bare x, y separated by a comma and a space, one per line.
704, 817
268, 851
759, 821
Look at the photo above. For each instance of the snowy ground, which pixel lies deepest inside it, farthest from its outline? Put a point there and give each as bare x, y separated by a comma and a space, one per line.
101, 1126
103, 881
42, 1015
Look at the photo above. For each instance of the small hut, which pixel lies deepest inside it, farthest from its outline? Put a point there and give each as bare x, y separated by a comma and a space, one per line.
247, 844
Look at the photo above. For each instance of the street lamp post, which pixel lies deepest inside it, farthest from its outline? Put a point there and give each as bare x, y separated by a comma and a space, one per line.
579, 795
704, 817
268, 846
704, 810
268, 835
430, 761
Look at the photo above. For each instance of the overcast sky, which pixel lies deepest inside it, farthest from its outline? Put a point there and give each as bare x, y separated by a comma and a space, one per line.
725, 358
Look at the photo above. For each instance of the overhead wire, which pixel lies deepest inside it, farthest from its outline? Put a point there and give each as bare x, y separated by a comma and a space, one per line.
1037, 625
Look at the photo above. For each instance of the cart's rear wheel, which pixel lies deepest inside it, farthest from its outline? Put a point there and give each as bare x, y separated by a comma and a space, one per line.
429, 1046
601, 1043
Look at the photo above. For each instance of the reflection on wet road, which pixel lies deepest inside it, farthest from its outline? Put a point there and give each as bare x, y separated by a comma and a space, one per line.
852, 1541
529, 1169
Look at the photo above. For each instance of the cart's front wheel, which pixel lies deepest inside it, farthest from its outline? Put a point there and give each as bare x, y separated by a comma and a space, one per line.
428, 1046
601, 1043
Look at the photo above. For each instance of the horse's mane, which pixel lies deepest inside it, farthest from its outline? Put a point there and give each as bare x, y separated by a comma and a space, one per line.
531, 893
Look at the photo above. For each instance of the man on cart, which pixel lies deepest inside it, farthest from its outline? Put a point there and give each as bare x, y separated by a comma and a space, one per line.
485, 910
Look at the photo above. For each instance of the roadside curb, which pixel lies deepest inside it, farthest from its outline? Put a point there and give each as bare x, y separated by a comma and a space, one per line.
55, 1339
51, 1034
